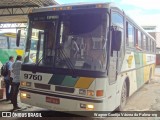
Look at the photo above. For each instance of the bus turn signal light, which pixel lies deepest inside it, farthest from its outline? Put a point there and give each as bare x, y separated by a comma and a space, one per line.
99, 93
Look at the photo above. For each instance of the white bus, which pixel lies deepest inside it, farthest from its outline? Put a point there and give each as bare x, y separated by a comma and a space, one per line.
89, 57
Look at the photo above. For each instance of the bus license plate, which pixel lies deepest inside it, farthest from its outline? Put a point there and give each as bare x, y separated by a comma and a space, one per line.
53, 100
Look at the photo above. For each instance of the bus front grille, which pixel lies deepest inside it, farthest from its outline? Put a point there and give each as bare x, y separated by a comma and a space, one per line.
64, 89
42, 86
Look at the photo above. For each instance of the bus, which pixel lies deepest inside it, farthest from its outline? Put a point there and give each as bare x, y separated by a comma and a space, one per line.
89, 57
8, 46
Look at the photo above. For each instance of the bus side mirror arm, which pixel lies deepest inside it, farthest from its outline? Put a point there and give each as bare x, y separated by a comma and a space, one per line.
18, 38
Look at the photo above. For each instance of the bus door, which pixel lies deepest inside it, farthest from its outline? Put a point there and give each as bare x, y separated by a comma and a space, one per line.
117, 52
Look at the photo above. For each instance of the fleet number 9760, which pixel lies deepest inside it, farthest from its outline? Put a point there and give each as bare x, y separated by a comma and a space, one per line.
32, 76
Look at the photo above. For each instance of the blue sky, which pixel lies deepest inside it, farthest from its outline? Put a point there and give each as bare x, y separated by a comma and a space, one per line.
144, 12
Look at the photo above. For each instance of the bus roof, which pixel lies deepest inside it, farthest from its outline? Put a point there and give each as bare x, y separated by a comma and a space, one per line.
86, 5
75, 6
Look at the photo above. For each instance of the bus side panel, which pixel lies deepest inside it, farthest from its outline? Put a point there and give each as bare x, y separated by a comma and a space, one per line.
109, 93
127, 74
132, 87
139, 69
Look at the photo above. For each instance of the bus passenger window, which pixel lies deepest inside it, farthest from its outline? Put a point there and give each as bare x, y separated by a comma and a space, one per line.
129, 35
147, 46
144, 42
139, 39
151, 48
154, 47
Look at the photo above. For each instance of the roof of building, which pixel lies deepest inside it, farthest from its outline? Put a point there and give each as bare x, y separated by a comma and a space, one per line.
17, 10
14, 3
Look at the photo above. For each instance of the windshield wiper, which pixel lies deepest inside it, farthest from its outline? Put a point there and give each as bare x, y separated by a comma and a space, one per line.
39, 61
66, 59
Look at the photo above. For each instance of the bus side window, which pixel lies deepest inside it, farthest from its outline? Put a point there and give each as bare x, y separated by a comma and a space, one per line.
142, 46
154, 49
139, 39
118, 24
144, 43
117, 19
129, 35
151, 46
147, 46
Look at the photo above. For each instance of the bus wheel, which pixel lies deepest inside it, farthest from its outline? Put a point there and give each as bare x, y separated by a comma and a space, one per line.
123, 99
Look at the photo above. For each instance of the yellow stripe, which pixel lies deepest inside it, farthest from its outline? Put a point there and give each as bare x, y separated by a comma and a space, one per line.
146, 69
146, 73
84, 82
144, 59
10, 35
20, 52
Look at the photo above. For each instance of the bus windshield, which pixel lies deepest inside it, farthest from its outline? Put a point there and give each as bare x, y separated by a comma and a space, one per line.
82, 43
44, 32
71, 41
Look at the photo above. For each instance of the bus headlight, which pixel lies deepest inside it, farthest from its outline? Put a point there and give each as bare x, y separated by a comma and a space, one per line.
83, 106
23, 83
86, 92
82, 91
90, 107
87, 106
28, 84
24, 95
90, 92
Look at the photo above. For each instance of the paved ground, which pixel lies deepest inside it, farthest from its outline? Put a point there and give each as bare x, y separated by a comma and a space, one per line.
145, 99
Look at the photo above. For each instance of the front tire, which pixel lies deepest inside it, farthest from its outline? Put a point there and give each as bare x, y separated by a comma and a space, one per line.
123, 99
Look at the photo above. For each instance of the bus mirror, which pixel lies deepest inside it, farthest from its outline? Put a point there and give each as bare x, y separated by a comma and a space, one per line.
116, 40
18, 38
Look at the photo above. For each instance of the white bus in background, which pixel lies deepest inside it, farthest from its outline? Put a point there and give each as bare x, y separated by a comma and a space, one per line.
89, 57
